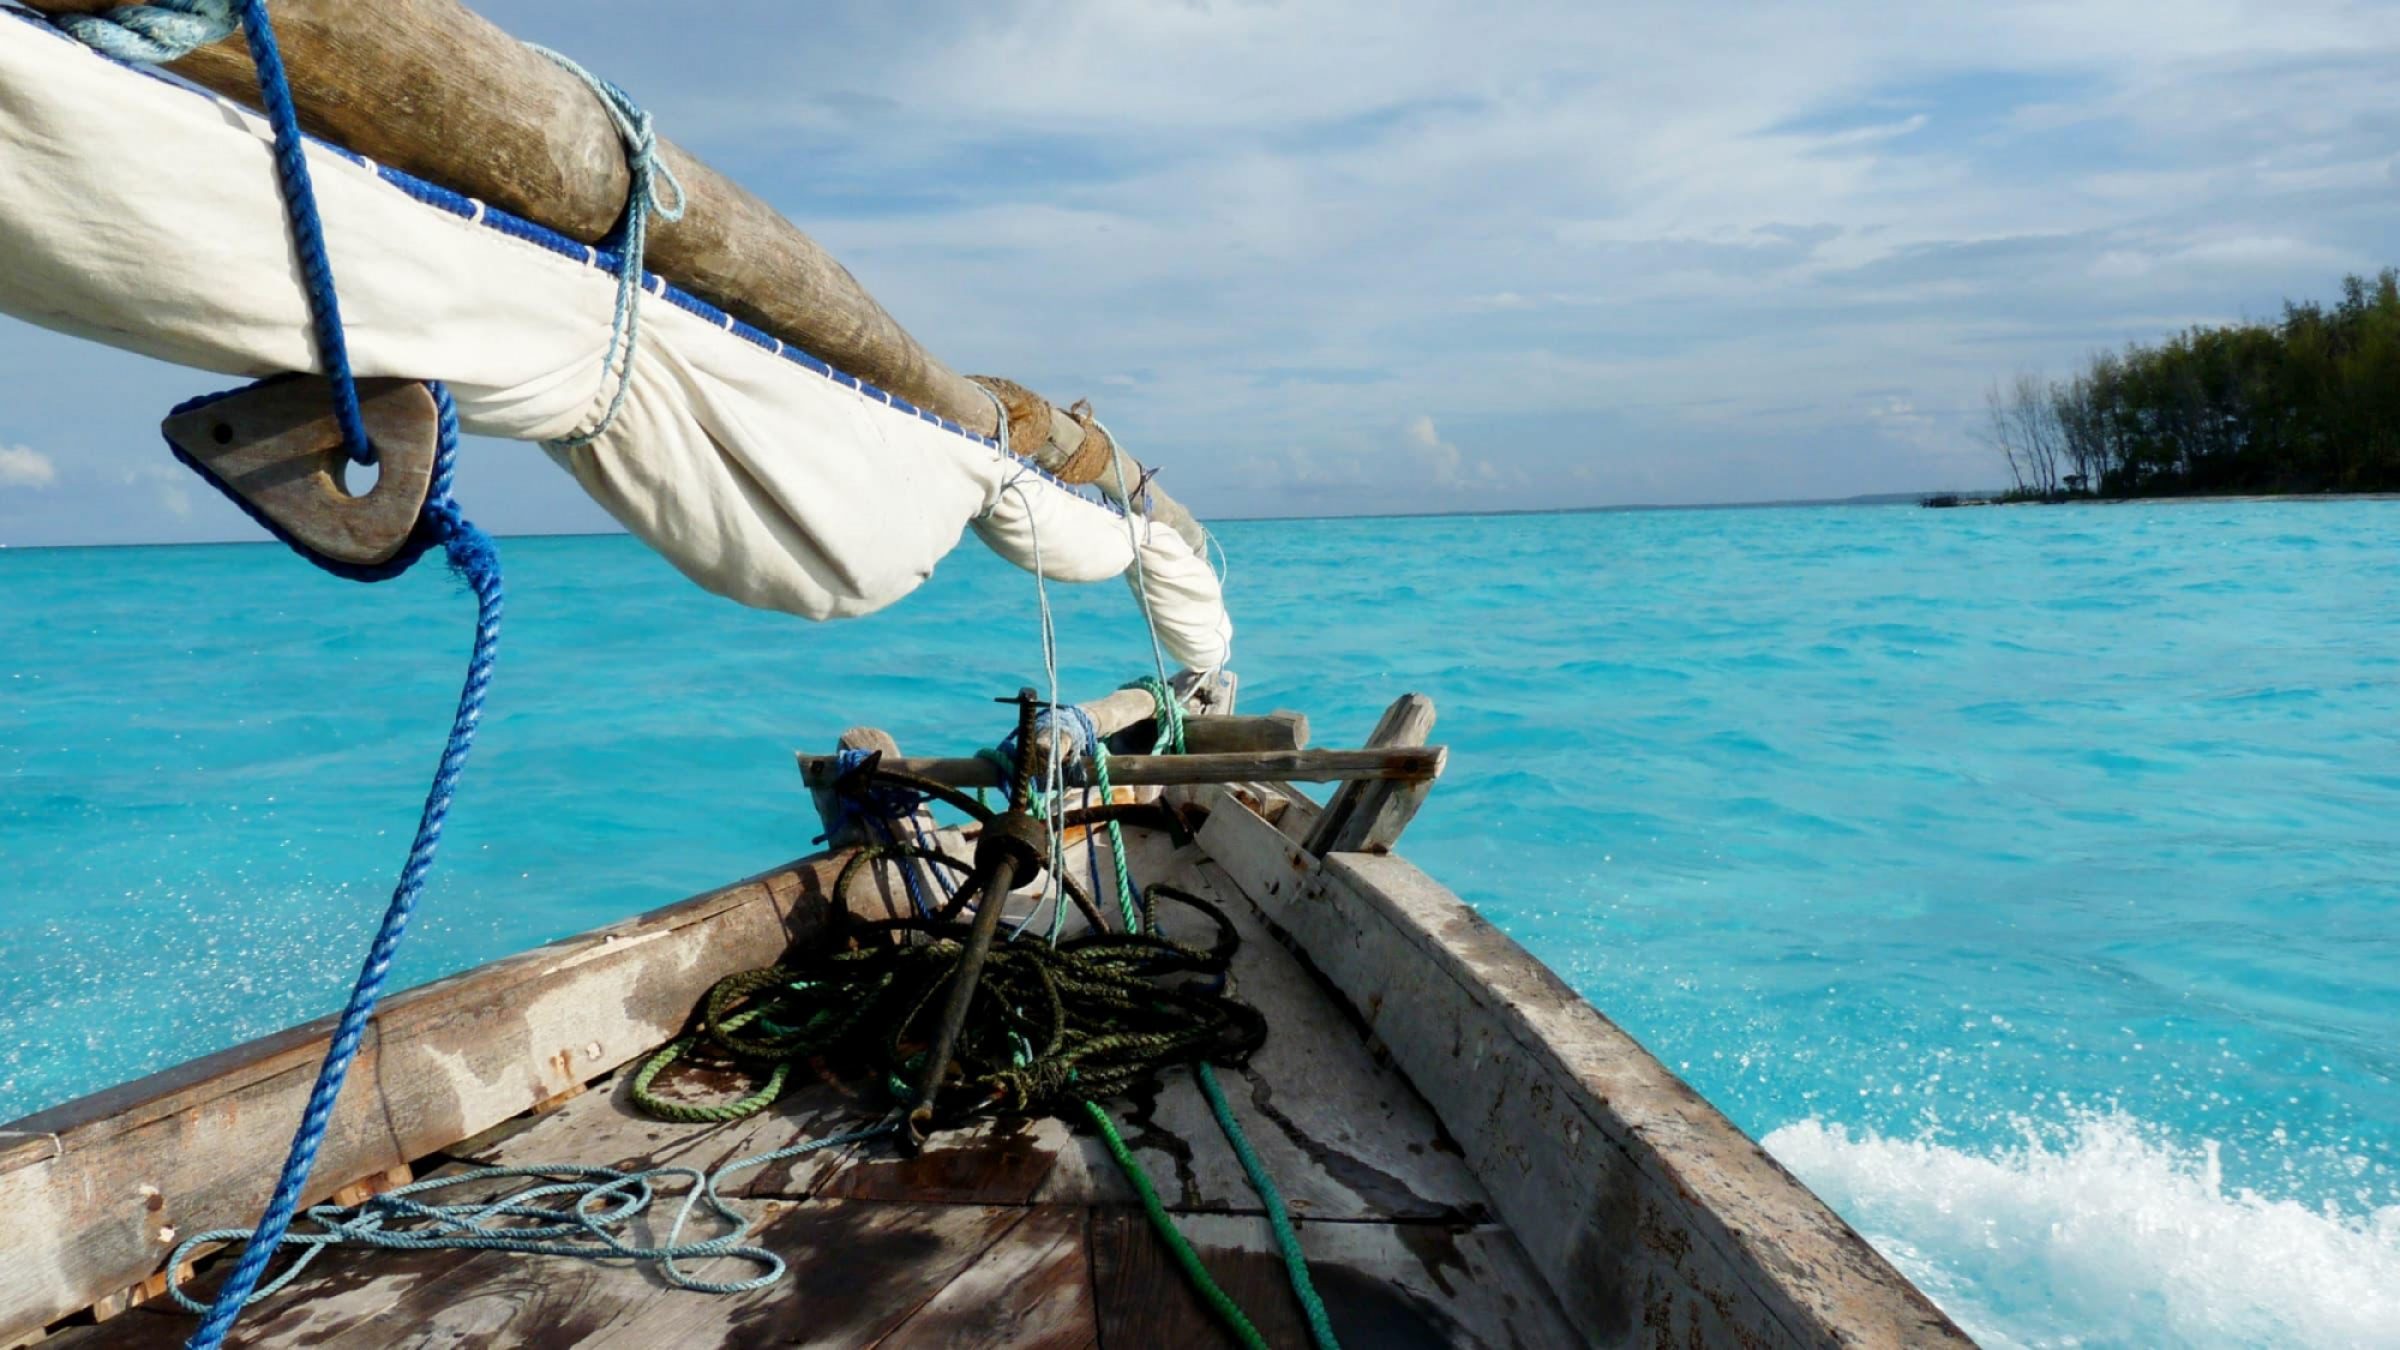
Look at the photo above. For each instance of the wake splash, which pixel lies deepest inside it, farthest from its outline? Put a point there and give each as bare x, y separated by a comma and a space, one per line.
2108, 1234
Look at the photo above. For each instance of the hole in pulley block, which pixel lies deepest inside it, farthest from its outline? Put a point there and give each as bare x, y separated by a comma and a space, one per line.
356, 479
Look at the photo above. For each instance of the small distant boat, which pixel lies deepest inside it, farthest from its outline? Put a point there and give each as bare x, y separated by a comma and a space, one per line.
1471, 1153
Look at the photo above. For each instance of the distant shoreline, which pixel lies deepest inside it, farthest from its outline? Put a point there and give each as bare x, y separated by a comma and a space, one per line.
2195, 498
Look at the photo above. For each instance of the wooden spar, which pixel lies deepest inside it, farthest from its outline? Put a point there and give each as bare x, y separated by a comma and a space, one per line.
435, 90
1409, 764
1278, 730
1207, 701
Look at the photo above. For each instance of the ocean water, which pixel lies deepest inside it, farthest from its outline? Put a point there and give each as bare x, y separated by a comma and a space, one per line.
2027, 880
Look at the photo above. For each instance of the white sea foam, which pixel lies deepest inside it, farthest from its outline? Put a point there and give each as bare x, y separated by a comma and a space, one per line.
2108, 1234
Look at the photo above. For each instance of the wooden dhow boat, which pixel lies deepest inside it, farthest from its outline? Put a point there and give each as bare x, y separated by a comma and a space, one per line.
1394, 1127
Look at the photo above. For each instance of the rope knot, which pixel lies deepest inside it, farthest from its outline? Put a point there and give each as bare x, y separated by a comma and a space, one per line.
153, 34
650, 181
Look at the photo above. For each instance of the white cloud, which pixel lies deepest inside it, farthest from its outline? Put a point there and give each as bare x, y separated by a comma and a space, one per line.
167, 485
23, 468
1438, 458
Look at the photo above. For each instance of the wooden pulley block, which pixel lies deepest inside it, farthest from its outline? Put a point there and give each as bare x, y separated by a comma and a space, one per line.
278, 446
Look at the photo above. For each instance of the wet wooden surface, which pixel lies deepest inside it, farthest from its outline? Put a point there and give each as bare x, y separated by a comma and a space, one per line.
1018, 1232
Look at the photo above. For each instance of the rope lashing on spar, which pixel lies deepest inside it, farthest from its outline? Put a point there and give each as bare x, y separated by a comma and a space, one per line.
645, 197
879, 813
166, 31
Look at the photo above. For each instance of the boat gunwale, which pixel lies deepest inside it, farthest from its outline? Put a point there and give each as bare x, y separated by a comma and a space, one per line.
1801, 1264
124, 1107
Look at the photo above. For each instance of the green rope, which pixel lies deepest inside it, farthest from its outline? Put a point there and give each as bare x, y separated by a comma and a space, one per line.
1170, 713
1093, 1017
1116, 842
692, 1113
1211, 1293
1287, 1238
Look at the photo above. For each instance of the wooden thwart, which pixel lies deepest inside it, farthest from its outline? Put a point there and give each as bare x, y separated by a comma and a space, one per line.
1414, 764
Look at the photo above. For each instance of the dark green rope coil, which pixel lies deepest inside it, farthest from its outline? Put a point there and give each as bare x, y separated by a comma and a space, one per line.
1050, 1027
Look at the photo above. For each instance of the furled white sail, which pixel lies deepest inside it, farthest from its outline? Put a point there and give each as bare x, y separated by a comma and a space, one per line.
144, 214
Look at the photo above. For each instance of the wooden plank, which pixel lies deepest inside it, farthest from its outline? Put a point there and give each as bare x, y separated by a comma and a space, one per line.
483, 113
1343, 1135
1370, 816
1390, 1286
606, 1129
1650, 1215
992, 1162
859, 1271
1280, 730
1408, 764
197, 1146
1031, 1289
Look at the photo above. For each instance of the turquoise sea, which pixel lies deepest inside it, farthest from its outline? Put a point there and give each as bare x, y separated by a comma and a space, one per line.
2028, 880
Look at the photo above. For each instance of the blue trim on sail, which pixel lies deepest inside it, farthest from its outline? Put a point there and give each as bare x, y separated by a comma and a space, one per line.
483, 213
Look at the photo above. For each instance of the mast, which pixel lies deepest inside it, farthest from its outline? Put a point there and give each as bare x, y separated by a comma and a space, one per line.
436, 90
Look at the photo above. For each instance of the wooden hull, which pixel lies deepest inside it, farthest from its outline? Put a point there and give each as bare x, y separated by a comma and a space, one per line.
1476, 1156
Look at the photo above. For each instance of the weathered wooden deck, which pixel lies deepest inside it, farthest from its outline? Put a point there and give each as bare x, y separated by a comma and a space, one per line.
1013, 1233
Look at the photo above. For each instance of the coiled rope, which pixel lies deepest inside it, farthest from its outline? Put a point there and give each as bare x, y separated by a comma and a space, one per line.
1050, 1026
573, 1210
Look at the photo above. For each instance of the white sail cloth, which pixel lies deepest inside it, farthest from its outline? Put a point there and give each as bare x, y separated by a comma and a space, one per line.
144, 214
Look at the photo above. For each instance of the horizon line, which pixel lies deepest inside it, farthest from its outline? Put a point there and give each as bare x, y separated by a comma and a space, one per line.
1860, 499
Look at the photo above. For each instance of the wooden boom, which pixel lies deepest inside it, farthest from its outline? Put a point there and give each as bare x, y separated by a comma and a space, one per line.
435, 90
1410, 764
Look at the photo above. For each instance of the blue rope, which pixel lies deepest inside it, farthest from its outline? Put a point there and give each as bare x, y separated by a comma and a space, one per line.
643, 200
163, 32
877, 811
166, 31
475, 558
586, 1210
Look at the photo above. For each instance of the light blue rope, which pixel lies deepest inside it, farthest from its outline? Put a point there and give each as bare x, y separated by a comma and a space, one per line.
153, 34
643, 199
600, 1203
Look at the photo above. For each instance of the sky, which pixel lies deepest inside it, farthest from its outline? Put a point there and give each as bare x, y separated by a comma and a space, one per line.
1415, 255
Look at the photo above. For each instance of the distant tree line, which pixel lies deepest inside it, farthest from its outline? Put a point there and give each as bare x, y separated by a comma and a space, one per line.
2310, 403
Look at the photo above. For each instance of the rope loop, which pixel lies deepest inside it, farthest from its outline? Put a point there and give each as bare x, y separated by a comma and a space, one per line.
570, 1210
651, 184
